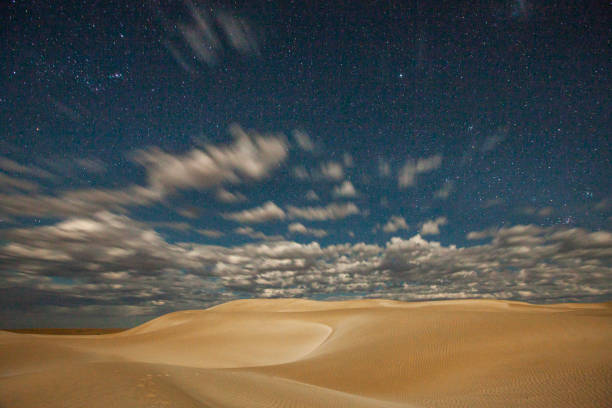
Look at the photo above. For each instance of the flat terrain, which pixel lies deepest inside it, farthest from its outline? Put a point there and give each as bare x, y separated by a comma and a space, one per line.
66, 331
290, 353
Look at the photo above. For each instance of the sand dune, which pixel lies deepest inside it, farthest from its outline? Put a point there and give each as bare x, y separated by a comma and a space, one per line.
302, 353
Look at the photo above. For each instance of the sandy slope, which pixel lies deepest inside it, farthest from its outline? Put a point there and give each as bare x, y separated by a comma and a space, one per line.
300, 353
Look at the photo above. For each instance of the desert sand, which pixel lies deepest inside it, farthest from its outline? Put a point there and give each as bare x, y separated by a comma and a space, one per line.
300, 353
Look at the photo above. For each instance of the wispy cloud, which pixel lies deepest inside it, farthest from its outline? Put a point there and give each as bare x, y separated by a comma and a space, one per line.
108, 259
312, 196
396, 223
407, 174
250, 157
210, 233
299, 228
331, 171
267, 212
303, 140
384, 168
258, 235
12, 166
432, 227
346, 189
330, 212
208, 34
495, 139
445, 191
226, 196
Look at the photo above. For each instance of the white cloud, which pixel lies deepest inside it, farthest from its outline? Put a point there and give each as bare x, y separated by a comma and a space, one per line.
11, 166
395, 223
303, 140
432, 227
312, 196
330, 212
267, 212
204, 32
540, 212
445, 191
301, 173
210, 233
239, 33
228, 197
251, 233
407, 174
384, 168
8, 183
492, 203
474, 235
496, 138
346, 189
178, 226
332, 171
299, 228
251, 156
116, 261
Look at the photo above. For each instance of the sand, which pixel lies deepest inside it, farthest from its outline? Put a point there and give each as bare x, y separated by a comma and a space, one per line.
289, 353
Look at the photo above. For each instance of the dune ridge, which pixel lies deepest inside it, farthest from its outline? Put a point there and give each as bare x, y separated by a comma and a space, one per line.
306, 353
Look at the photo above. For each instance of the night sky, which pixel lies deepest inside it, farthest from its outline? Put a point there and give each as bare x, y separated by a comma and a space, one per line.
164, 155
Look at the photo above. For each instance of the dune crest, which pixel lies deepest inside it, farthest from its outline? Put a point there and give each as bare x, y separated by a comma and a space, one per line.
304, 353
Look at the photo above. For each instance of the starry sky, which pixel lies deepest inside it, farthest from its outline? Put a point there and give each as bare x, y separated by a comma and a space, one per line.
167, 155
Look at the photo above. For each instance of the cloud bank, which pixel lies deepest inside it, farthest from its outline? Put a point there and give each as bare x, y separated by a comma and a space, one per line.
111, 260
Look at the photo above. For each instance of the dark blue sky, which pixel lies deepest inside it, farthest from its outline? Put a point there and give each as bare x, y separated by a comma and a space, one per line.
171, 155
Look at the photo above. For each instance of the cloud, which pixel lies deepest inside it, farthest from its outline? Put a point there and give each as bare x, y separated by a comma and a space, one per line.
312, 196
407, 174
346, 189
189, 212
11, 166
432, 227
228, 197
475, 235
8, 183
396, 223
210, 233
251, 233
91, 165
347, 159
301, 173
204, 33
541, 212
239, 33
267, 212
103, 242
108, 261
496, 138
492, 203
78, 202
330, 212
384, 168
251, 157
178, 226
299, 228
303, 140
332, 171
445, 191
